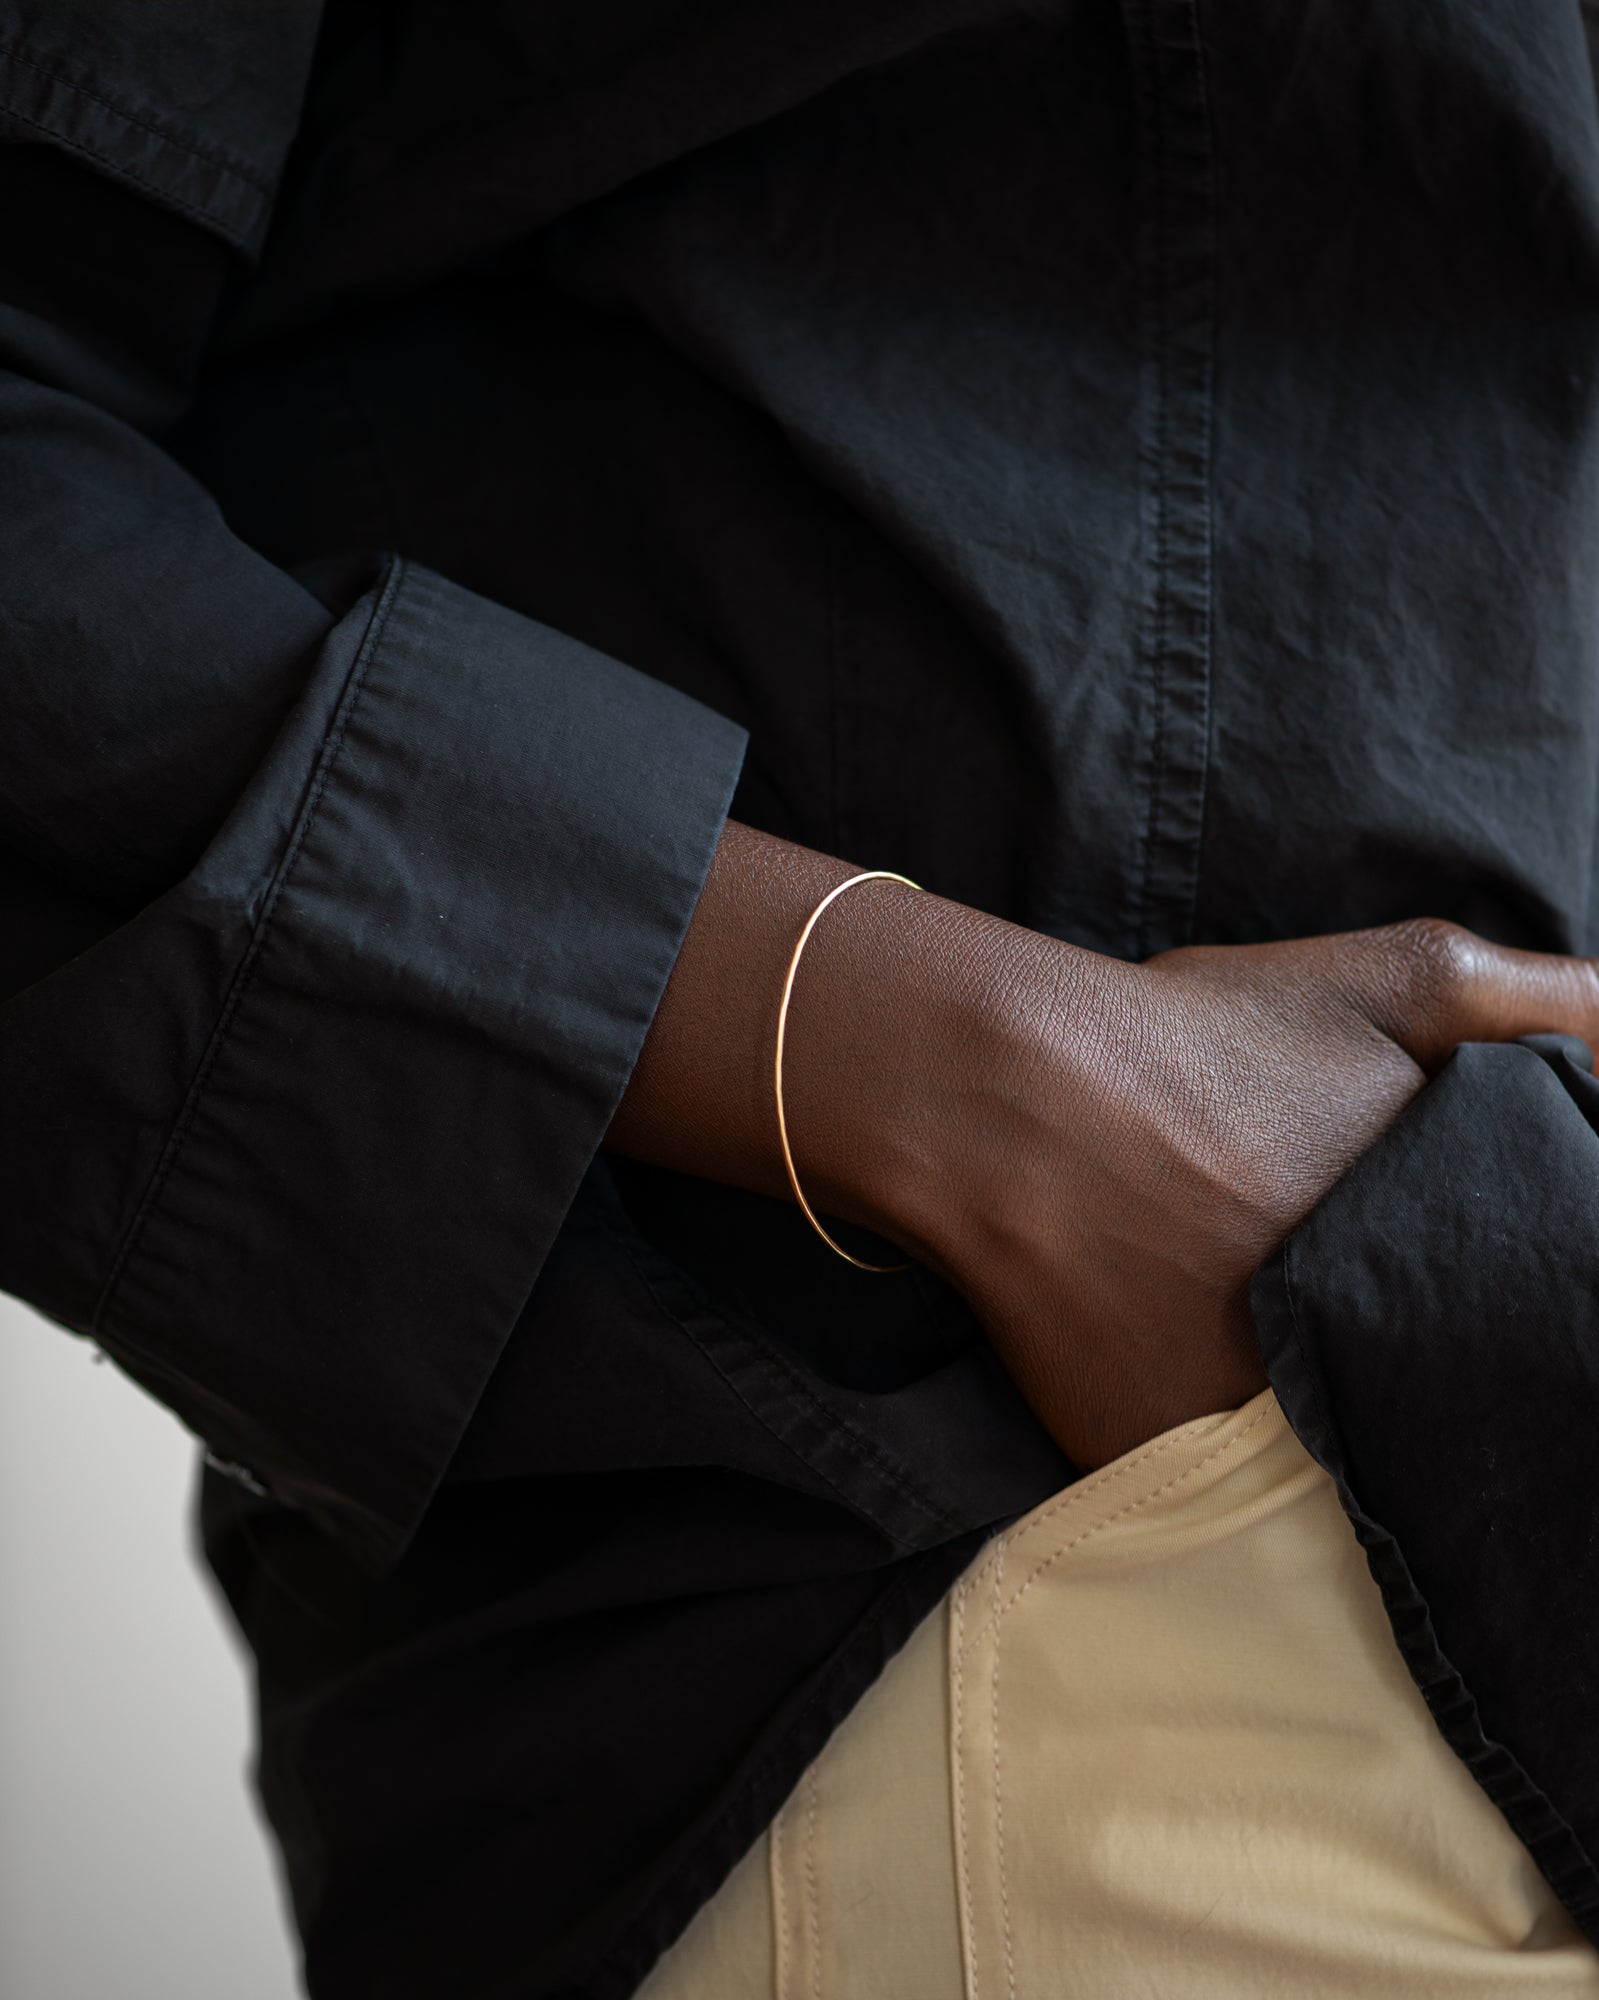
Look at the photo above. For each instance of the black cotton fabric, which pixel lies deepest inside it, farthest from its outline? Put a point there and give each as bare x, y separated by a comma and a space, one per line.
1438, 1304
1128, 464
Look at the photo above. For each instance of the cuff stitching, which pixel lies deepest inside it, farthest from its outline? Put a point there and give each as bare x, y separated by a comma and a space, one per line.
216, 156
120, 168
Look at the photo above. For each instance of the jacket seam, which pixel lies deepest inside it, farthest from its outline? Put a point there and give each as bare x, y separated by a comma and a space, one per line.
1177, 258
843, 842
242, 978
216, 156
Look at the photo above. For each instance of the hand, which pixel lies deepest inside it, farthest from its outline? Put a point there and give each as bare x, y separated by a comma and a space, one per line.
1135, 1141
1097, 1155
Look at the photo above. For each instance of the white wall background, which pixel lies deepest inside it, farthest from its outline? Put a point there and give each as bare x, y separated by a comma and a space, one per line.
132, 1866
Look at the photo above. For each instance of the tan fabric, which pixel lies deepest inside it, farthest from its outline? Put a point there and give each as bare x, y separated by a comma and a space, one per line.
1160, 1744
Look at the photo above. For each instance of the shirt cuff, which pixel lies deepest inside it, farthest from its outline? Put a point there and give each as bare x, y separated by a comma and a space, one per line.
484, 885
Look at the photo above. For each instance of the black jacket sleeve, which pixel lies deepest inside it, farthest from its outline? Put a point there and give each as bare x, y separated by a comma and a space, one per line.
334, 906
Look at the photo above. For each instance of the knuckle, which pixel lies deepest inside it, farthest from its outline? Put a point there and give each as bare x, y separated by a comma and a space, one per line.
1440, 962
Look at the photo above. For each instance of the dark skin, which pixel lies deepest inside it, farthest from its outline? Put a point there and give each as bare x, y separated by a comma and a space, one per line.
1097, 1155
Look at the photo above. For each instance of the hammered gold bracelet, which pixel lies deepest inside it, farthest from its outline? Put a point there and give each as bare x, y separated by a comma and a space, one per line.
868, 875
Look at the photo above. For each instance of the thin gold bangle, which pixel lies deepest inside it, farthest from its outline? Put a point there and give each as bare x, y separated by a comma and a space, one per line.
868, 875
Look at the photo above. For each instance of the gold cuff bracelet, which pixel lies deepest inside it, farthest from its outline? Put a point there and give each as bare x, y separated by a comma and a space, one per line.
868, 875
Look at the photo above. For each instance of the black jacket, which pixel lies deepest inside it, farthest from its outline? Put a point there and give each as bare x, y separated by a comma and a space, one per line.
1133, 467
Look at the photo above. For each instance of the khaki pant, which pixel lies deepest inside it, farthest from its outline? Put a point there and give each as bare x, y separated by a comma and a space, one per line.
1158, 1743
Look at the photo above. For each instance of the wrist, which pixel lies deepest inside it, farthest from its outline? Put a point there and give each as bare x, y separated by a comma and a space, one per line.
1028, 1107
872, 1022
936, 1117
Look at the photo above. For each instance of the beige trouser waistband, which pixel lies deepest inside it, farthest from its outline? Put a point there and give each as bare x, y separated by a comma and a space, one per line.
1159, 1743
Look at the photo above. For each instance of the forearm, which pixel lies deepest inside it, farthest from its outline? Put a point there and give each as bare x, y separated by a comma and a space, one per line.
701, 1096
